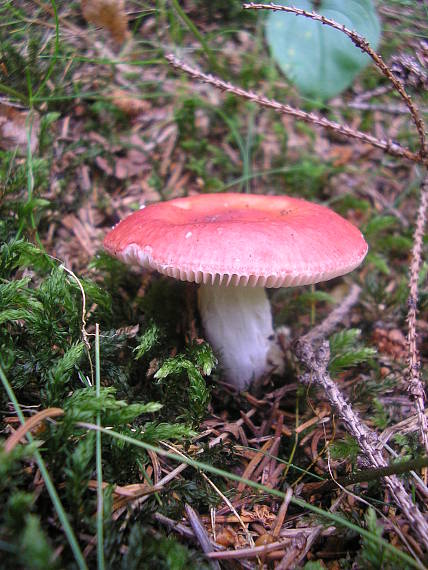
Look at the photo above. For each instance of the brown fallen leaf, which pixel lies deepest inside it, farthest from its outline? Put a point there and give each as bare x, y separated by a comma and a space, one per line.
227, 536
128, 103
108, 14
14, 127
340, 155
391, 342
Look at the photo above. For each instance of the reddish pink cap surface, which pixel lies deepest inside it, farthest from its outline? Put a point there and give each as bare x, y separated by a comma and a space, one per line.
239, 239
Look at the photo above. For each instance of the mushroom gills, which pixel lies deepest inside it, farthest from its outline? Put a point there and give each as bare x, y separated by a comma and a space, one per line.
238, 324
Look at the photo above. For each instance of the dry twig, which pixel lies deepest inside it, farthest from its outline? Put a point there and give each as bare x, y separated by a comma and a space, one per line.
327, 326
415, 387
364, 475
295, 554
201, 534
252, 552
13, 440
388, 146
382, 108
316, 359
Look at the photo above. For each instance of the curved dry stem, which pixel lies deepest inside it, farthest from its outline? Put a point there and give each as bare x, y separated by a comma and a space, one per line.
388, 146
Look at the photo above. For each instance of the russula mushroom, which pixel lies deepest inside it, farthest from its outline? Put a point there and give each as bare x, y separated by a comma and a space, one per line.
235, 245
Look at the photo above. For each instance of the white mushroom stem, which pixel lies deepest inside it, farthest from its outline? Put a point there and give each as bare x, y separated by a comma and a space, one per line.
238, 325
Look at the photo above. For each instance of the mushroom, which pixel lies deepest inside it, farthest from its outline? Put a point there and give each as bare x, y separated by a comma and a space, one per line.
234, 246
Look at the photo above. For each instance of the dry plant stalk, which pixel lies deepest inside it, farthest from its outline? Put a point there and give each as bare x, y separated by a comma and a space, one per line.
416, 388
13, 440
201, 534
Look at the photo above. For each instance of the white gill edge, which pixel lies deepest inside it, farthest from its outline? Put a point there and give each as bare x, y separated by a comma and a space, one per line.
134, 254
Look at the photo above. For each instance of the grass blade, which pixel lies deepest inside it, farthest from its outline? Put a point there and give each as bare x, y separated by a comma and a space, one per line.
100, 505
78, 556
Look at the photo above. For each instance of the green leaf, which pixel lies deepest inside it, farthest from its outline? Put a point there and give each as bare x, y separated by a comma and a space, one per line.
131, 412
78, 470
14, 292
318, 59
380, 417
378, 224
83, 406
373, 556
313, 566
9, 460
153, 432
350, 359
343, 341
34, 204
61, 371
203, 357
14, 315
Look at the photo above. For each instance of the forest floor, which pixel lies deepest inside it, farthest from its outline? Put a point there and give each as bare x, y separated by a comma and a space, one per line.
133, 452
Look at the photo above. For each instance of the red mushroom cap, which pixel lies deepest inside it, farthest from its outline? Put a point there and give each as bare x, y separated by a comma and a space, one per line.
239, 239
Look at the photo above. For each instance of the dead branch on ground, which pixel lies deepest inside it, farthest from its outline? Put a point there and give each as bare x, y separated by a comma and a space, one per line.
313, 352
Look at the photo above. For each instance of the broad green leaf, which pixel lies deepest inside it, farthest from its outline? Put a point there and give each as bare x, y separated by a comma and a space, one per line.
318, 59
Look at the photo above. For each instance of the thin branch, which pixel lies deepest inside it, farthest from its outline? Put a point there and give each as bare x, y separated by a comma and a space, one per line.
327, 326
388, 146
381, 108
316, 359
201, 534
252, 552
416, 388
372, 93
296, 553
360, 42
366, 475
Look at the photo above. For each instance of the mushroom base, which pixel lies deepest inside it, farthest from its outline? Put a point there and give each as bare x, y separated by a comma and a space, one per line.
238, 325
